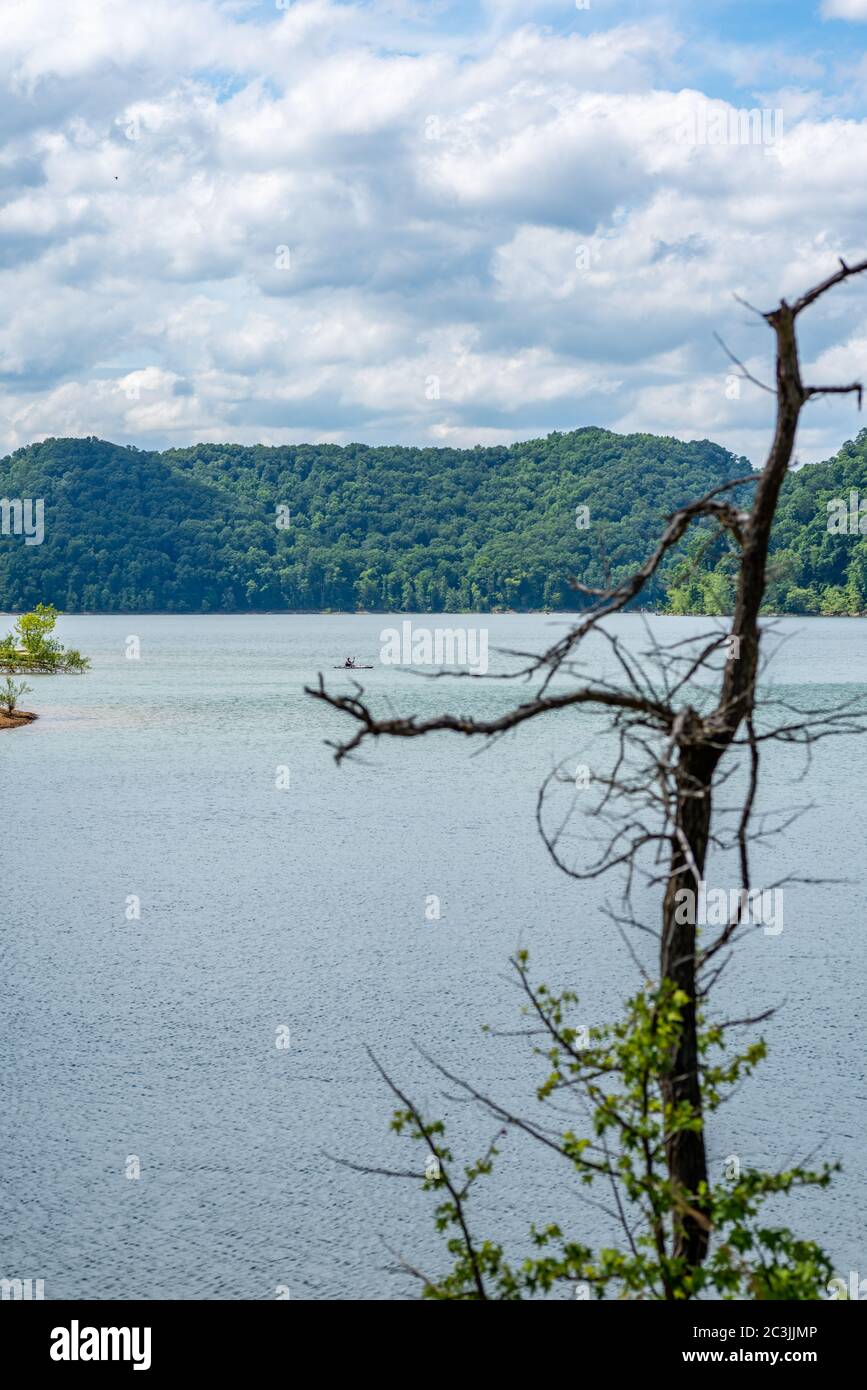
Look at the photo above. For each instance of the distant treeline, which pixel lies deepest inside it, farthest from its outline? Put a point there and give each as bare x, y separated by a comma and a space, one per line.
228, 528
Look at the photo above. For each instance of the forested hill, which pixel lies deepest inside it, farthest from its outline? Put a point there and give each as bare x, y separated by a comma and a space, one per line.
395, 528
813, 569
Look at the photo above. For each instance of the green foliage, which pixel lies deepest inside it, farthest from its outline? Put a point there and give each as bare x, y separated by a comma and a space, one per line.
390, 528
617, 1072
811, 569
11, 693
33, 630
415, 530
30, 646
695, 590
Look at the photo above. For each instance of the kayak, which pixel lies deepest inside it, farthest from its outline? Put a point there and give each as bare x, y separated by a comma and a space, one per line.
352, 668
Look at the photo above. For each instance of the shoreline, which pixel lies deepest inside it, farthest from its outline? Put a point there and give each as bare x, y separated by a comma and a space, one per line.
388, 613
17, 720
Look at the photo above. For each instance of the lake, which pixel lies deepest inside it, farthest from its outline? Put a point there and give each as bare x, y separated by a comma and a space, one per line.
301, 907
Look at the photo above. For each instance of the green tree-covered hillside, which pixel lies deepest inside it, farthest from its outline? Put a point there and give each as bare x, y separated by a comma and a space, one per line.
813, 569
395, 528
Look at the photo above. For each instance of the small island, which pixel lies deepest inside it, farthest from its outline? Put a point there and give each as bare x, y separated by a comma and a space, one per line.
30, 648
11, 717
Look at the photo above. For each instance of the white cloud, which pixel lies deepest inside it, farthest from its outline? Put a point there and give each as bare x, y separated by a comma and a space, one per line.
844, 9
280, 226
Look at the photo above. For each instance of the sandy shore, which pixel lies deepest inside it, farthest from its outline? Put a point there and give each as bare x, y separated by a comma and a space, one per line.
14, 721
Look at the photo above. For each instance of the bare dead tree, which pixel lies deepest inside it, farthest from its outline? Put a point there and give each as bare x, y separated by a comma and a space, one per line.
674, 726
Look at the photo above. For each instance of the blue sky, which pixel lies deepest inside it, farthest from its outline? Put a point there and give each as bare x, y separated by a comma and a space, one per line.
427, 223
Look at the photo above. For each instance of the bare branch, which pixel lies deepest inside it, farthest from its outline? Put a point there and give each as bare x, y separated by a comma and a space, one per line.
837, 278
462, 724
856, 388
746, 375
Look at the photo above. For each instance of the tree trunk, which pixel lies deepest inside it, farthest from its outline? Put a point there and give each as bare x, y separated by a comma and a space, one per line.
685, 1152
702, 744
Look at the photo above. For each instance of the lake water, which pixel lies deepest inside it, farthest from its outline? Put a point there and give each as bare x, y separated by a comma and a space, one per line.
303, 907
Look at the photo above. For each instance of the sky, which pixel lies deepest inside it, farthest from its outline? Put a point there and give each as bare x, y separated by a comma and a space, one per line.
424, 223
